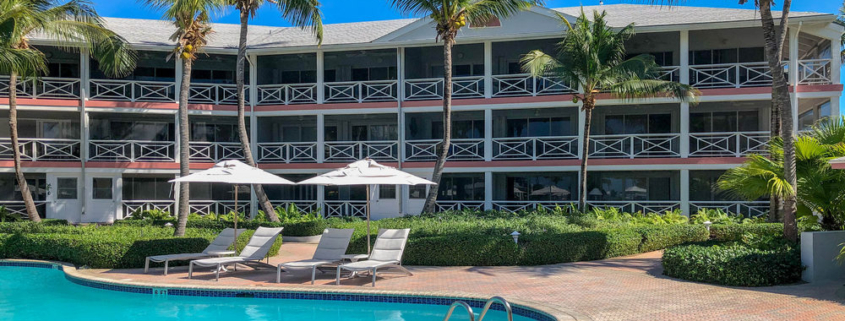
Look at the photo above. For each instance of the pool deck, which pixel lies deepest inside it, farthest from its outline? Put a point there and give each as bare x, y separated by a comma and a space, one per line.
626, 288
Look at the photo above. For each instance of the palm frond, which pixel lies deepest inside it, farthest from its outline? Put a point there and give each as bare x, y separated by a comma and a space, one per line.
303, 13
24, 62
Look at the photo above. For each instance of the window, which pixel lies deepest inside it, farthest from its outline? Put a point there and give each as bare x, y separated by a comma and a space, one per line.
661, 58
726, 56
538, 127
417, 191
461, 187
637, 124
626, 186
64, 70
66, 189
146, 188
373, 132
555, 187
102, 188
374, 73
460, 129
728, 121
387, 192
462, 70
703, 186
299, 77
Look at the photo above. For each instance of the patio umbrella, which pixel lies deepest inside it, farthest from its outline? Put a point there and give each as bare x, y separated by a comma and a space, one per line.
236, 173
366, 172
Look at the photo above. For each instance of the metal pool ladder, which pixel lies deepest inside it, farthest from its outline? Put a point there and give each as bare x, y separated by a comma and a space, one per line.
487, 306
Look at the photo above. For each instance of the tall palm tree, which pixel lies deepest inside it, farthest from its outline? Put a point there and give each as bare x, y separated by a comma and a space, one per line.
450, 16
193, 26
591, 57
300, 13
72, 25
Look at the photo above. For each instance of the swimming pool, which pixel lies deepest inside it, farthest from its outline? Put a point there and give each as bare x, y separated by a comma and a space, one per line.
39, 291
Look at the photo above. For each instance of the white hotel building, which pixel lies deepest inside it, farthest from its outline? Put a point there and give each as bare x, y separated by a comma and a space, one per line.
98, 148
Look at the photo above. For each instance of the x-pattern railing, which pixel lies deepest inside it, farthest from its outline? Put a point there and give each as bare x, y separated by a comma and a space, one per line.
132, 206
19, 207
287, 94
352, 151
133, 91
460, 149
527, 85
362, 91
635, 146
517, 206
131, 151
534, 148
659, 207
46, 87
744, 208
814, 71
42, 149
203, 207
736, 144
737, 75
432, 88
302, 205
443, 206
216, 94
345, 209
287, 152
670, 73
216, 151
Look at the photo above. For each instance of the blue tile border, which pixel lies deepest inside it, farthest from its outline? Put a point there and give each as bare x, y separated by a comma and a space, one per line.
283, 294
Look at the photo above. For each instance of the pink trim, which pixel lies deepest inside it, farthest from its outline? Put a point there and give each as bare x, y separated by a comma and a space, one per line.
128, 104
818, 88
328, 106
312, 165
43, 102
837, 165
42, 164
213, 107
137, 165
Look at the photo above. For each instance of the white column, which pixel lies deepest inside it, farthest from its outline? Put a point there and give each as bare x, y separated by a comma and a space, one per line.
835, 62
321, 198
684, 55
85, 74
252, 60
321, 138
400, 70
834, 107
793, 58
321, 77
178, 82
488, 191
582, 118
488, 69
177, 141
685, 182
685, 130
488, 135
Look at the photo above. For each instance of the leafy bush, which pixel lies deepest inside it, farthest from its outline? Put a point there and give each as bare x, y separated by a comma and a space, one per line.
756, 261
717, 216
661, 237
735, 232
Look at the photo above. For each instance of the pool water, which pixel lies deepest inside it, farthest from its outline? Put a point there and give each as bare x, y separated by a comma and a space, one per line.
44, 294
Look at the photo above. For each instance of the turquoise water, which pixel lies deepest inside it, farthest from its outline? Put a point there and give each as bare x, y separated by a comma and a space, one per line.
45, 294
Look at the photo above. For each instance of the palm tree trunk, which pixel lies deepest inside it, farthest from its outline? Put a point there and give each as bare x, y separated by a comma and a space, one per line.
241, 65
589, 103
781, 101
184, 148
31, 211
443, 151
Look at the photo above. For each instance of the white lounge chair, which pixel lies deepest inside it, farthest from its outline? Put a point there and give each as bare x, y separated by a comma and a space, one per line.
254, 251
387, 253
329, 251
221, 243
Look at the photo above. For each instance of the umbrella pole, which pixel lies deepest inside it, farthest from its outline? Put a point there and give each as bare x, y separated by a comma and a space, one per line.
236, 218
368, 219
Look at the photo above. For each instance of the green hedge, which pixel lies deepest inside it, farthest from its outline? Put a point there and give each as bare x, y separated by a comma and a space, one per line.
734, 263
657, 237
735, 232
308, 228
111, 247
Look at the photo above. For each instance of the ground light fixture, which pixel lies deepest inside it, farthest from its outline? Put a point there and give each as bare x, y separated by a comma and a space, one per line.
707, 225
515, 235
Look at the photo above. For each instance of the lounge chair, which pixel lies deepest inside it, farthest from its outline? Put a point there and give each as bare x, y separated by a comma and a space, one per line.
253, 253
329, 251
221, 243
387, 253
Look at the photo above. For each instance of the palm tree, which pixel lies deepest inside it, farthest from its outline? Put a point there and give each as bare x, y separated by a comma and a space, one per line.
300, 13
591, 57
72, 25
193, 26
450, 16
819, 186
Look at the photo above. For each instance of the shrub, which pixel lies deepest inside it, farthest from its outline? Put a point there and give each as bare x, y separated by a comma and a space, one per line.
735, 263
735, 232
661, 237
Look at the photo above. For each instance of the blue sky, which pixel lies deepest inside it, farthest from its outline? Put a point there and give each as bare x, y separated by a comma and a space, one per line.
337, 11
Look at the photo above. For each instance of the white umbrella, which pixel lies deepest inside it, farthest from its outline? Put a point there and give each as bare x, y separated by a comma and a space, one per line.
236, 173
366, 172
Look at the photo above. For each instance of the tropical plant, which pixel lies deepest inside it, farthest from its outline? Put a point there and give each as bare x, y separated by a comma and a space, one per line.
300, 13
6, 215
819, 186
449, 17
192, 19
591, 57
71, 25
155, 214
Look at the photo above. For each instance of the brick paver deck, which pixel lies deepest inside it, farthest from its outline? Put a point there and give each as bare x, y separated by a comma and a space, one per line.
628, 288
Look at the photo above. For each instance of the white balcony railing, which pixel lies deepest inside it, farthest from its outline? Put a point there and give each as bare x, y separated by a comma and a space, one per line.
747, 209
635, 146
516, 206
736, 75
287, 152
352, 151
461, 149
814, 71
41, 149
303, 205
131, 151
646, 207
203, 207
19, 208
432, 88
133, 90
443, 206
535, 148
728, 144
670, 73
527, 85
362, 91
132, 206
216, 152
215, 94
345, 209
287, 94
47, 87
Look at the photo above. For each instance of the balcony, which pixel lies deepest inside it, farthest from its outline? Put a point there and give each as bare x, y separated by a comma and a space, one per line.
638, 206
460, 150
750, 209
345, 209
535, 148
213, 152
42, 149
287, 152
732, 75
132, 90
814, 72
443, 206
45, 88
289, 94
205, 207
432, 88
635, 146
527, 85
350, 151
132, 206
131, 151
729, 144
216, 94
518, 206
361, 91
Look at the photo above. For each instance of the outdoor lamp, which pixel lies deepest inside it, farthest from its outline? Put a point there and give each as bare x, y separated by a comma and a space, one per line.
515, 236
707, 225
168, 224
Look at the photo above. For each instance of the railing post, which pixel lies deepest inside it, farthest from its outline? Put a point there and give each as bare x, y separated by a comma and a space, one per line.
793, 60
684, 53
488, 134
685, 128
738, 151
321, 81
488, 69
738, 83
685, 192
835, 66
488, 190
631, 138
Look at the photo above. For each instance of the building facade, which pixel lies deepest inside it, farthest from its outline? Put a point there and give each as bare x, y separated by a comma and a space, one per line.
98, 149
